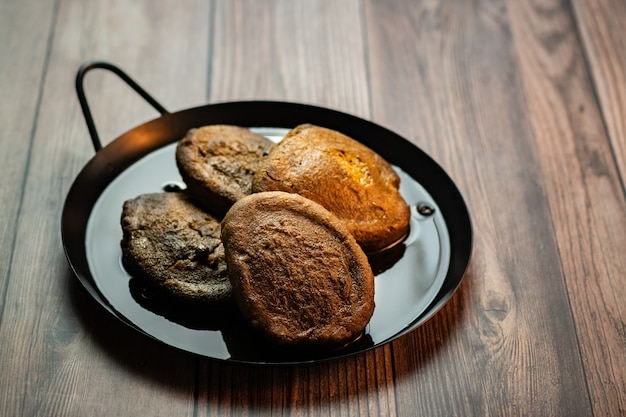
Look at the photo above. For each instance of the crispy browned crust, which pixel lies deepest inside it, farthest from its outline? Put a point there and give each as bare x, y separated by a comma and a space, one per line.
298, 275
343, 175
217, 163
174, 245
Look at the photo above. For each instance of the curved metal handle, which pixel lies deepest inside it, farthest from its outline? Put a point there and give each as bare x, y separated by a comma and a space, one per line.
80, 91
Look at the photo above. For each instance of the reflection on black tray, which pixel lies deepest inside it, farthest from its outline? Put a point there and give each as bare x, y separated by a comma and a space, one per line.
243, 342
193, 316
384, 260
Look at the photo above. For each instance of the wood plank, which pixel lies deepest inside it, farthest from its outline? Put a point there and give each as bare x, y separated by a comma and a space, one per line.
506, 344
309, 52
67, 357
586, 195
359, 385
601, 27
24, 30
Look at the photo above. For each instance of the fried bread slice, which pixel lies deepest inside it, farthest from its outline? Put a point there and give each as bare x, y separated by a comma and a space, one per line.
344, 176
217, 163
175, 246
298, 275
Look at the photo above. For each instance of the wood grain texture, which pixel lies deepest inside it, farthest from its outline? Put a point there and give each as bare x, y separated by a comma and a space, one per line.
585, 196
461, 100
521, 102
19, 109
348, 387
64, 356
309, 52
601, 28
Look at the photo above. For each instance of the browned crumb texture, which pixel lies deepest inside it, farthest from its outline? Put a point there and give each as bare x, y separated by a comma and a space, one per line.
297, 274
176, 246
343, 175
217, 163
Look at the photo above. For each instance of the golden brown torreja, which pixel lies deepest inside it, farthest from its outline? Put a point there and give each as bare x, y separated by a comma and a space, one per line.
344, 176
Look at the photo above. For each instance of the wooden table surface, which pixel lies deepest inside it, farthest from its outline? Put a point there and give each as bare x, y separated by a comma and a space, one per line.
523, 103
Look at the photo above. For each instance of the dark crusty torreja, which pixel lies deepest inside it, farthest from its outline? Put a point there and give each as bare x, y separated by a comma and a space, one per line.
217, 163
298, 275
175, 246
343, 175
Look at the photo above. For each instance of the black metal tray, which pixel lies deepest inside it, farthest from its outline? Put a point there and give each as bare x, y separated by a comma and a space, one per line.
413, 280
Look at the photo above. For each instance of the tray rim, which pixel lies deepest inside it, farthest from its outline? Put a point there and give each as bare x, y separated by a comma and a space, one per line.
119, 154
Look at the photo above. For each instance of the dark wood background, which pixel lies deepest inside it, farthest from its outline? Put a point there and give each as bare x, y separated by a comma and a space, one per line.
522, 102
